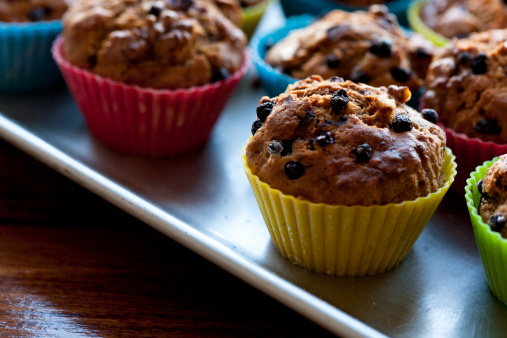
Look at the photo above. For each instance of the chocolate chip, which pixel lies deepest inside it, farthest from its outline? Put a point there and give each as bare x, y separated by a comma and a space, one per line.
402, 123
497, 222
38, 13
401, 74
422, 53
264, 109
324, 139
479, 64
339, 100
294, 170
275, 147
332, 61
221, 73
256, 126
430, 115
381, 48
363, 153
360, 76
464, 59
155, 10
336, 79
488, 126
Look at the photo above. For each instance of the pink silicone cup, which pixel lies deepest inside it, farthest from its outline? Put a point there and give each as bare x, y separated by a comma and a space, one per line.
145, 121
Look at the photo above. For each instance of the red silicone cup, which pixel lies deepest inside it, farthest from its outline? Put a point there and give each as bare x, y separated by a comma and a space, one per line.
145, 121
470, 153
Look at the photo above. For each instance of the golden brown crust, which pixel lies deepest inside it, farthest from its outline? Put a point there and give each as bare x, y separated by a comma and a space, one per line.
32, 10
468, 90
494, 189
347, 40
402, 166
153, 43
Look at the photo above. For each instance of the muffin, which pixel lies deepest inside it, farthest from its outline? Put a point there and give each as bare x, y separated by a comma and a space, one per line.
32, 10
348, 149
487, 205
27, 30
466, 85
367, 47
170, 65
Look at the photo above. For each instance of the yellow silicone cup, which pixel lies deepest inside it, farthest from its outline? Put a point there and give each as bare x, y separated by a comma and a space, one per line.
344, 240
417, 25
251, 17
492, 247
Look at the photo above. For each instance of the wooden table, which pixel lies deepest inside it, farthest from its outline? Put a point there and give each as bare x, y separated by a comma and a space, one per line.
73, 265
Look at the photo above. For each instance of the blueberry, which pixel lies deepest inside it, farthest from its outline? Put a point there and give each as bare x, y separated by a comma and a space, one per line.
294, 170
360, 76
402, 123
488, 126
363, 153
255, 126
430, 115
479, 186
381, 48
401, 74
464, 59
155, 10
339, 100
332, 61
324, 139
479, 64
181, 5
422, 53
38, 13
220, 74
497, 222
275, 147
264, 109
336, 79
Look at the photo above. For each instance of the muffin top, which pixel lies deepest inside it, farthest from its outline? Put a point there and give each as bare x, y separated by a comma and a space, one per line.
458, 18
493, 207
368, 47
466, 84
32, 10
337, 142
152, 43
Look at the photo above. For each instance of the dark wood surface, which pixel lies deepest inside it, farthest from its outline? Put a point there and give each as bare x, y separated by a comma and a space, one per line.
73, 265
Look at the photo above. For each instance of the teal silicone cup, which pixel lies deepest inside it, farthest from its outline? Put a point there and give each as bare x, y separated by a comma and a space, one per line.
492, 247
319, 7
273, 81
26, 63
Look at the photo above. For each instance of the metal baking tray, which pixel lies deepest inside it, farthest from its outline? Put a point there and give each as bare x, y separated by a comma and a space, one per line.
203, 200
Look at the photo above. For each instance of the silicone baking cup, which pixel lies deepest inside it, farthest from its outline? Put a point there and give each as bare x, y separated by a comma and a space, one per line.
25, 56
319, 7
344, 240
252, 15
492, 247
144, 121
417, 25
470, 152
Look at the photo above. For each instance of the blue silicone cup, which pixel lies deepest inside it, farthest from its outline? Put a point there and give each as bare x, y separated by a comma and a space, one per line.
26, 63
273, 81
319, 7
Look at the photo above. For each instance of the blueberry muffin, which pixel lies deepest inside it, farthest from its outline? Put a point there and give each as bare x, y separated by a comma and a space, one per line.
341, 143
32, 10
493, 188
367, 47
153, 43
466, 84
458, 18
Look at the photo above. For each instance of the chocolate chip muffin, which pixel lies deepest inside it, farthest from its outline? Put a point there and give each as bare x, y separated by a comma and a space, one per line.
153, 43
32, 10
493, 206
367, 47
458, 18
341, 143
466, 84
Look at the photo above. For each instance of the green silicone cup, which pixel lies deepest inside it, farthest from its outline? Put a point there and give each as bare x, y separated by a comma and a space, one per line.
417, 25
492, 247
